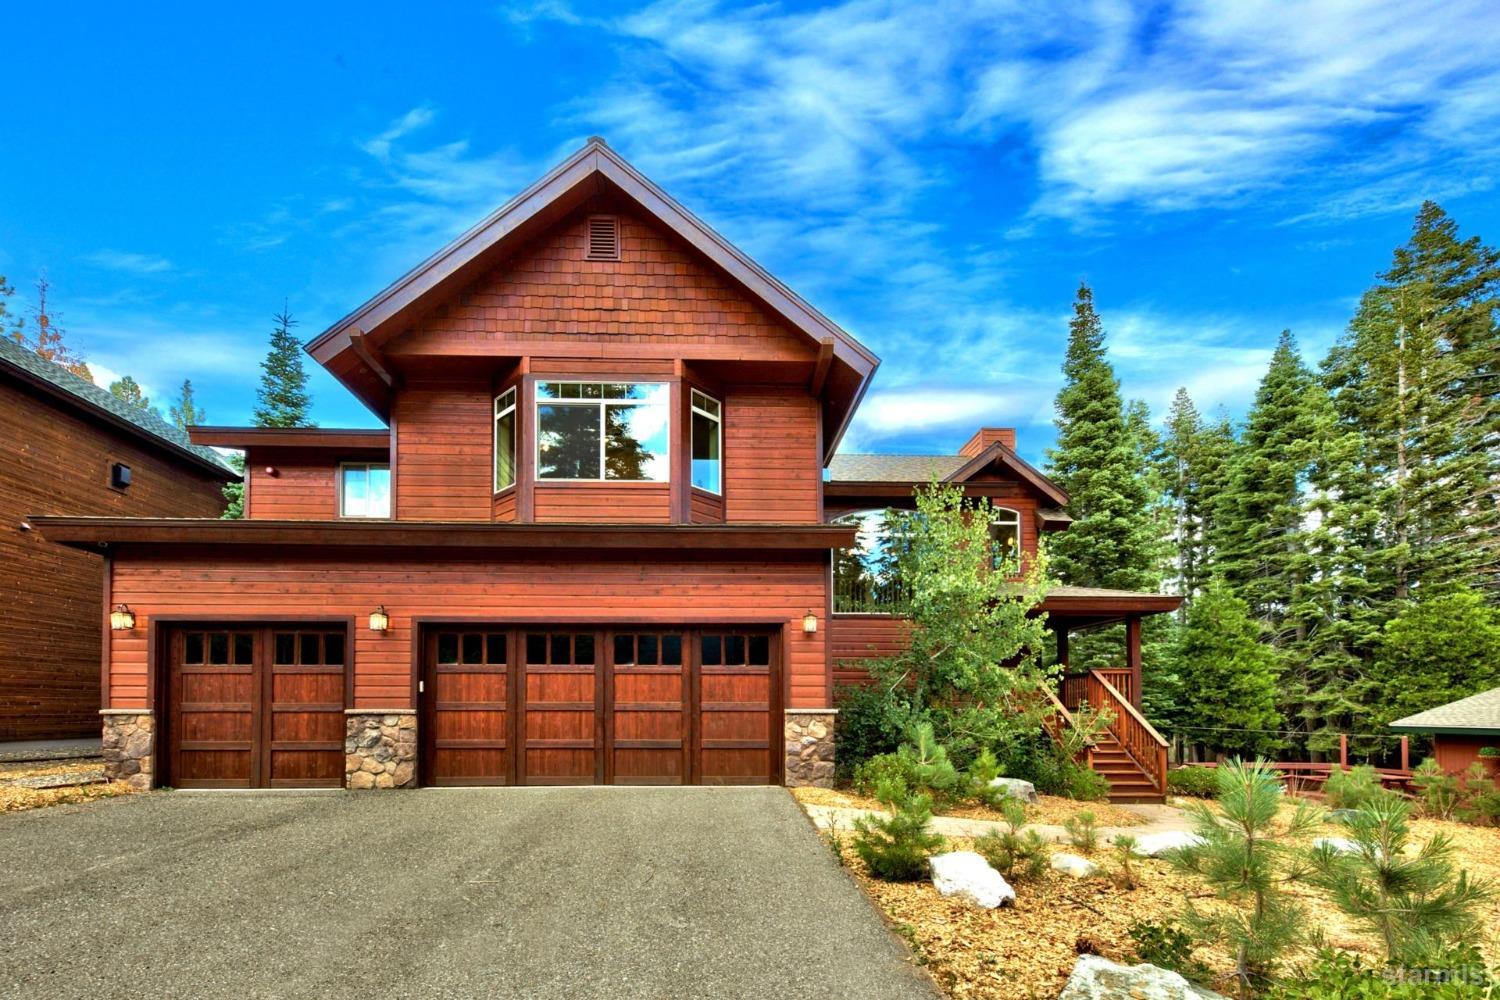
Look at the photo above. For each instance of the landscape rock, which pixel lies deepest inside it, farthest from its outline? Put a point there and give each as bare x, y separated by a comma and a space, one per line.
1154, 845
968, 876
1096, 978
1015, 788
1074, 865
1338, 845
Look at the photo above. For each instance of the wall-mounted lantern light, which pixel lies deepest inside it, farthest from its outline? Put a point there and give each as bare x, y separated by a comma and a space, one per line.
122, 619
379, 620
810, 622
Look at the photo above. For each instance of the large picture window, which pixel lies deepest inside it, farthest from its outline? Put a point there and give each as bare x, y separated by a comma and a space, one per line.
868, 576
708, 442
505, 440
613, 431
364, 490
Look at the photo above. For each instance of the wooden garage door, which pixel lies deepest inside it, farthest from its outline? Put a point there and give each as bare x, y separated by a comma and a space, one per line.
738, 700
560, 717
256, 707
650, 709
466, 698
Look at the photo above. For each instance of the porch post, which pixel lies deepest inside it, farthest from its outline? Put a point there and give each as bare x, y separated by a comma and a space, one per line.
1133, 657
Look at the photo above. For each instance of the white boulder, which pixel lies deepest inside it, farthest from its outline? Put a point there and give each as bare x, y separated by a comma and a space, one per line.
1096, 978
1074, 865
1338, 845
969, 876
1015, 788
1154, 845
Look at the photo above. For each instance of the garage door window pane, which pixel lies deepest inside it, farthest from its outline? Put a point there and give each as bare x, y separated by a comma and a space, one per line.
713, 651
760, 650
625, 650
309, 648
218, 648
583, 648
536, 647
494, 647
734, 649
671, 650
244, 648
194, 651
473, 649
647, 652
333, 649
447, 647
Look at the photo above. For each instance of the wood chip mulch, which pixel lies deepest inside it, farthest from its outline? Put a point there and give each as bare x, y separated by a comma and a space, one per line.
1049, 809
15, 798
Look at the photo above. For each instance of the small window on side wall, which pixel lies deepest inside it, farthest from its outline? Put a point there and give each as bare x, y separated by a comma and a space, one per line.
505, 440
708, 443
364, 490
1005, 536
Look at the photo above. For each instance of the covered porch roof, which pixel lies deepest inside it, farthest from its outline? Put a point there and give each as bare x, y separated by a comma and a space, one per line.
1080, 608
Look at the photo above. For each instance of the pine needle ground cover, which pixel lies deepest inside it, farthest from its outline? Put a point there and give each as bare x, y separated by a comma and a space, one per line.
1050, 810
1026, 952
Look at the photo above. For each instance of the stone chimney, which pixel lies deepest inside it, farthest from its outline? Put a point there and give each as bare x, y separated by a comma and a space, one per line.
986, 436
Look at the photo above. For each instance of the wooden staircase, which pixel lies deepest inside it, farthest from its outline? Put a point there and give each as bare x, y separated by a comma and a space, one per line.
1130, 752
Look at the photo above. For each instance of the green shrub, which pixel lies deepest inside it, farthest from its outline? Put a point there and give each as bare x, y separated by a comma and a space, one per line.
1457, 975
1082, 833
870, 774
1194, 782
981, 772
921, 765
1013, 852
1352, 788
1084, 784
1437, 790
895, 848
862, 727
1167, 946
1125, 876
1489, 751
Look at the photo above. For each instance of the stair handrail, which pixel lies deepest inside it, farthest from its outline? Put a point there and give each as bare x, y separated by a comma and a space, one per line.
1146, 746
1061, 710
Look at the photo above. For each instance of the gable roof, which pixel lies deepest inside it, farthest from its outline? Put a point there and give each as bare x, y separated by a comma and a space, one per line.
905, 469
62, 385
344, 350
1478, 715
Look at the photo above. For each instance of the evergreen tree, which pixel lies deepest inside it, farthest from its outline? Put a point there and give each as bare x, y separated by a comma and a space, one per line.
283, 396
1114, 539
1193, 468
1231, 672
1437, 649
50, 340
185, 412
1415, 378
11, 325
129, 390
234, 493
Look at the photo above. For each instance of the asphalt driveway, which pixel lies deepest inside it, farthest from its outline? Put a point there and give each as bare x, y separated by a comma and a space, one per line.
544, 892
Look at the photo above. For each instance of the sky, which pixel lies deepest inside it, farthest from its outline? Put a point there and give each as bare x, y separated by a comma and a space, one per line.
936, 177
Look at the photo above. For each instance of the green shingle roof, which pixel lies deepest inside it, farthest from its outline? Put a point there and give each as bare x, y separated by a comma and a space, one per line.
32, 367
1479, 714
893, 468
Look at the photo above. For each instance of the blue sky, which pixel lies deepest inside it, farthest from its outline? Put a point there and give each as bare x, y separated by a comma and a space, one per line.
937, 177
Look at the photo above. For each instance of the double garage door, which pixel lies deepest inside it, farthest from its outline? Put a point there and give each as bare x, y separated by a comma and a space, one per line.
552, 706
258, 707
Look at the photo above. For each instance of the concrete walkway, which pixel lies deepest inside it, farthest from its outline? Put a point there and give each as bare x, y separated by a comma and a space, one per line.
526, 892
1158, 819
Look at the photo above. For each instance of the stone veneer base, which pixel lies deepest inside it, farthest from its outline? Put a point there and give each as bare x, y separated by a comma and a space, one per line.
809, 747
129, 745
380, 748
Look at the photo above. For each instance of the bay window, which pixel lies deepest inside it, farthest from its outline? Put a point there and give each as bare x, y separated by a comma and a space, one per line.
505, 440
604, 431
708, 442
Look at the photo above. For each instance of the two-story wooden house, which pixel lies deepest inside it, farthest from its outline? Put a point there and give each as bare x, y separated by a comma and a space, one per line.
593, 545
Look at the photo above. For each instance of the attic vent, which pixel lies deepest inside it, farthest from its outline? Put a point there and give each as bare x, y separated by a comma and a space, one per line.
604, 238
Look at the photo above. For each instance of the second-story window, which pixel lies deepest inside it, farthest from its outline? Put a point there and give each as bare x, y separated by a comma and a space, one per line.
1005, 536
613, 431
364, 490
708, 440
505, 440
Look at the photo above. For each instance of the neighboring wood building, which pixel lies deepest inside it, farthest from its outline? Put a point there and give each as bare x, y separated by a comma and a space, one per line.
593, 545
70, 447
1460, 730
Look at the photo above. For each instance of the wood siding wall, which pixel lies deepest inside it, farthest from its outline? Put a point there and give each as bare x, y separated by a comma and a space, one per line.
631, 503
772, 470
444, 450
56, 461
435, 585
852, 638
304, 485
1454, 754
658, 293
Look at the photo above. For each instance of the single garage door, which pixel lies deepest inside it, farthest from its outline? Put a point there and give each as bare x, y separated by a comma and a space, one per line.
255, 707
619, 705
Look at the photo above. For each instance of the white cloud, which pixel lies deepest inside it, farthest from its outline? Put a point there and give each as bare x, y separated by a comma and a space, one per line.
130, 263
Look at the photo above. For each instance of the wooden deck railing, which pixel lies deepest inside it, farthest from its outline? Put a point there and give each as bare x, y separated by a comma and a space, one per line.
1141, 741
1123, 681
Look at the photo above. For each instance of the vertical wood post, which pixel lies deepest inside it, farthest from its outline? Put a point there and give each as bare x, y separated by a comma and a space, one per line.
1406, 753
1344, 751
1133, 657
1062, 646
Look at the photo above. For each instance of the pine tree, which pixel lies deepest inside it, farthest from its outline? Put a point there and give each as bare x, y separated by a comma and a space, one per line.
1231, 672
234, 493
1114, 539
11, 325
1439, 648
185, 412
50, 341
129, 390
283, 396
1193, 468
